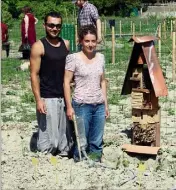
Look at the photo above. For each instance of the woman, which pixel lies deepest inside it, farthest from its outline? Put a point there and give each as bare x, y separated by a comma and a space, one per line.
28, 33
28, 26
89, 98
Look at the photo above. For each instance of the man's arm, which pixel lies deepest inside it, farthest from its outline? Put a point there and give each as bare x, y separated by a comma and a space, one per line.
95, 16
67, 93
67, 44
98, 25
35, 62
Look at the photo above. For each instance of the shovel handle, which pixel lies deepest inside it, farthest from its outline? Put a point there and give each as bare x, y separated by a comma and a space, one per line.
77, 137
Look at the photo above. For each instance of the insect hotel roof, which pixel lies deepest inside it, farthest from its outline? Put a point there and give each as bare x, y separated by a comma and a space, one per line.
145, 45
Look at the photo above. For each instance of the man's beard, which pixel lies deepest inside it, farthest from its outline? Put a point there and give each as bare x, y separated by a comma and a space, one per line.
50, 36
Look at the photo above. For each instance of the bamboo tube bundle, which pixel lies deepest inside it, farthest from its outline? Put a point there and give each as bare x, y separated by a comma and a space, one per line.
144, 134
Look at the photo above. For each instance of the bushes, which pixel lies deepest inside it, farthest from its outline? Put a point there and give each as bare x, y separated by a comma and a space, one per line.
6, 16
39, 8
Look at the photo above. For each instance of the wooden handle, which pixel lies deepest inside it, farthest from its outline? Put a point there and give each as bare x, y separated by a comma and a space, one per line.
77, 137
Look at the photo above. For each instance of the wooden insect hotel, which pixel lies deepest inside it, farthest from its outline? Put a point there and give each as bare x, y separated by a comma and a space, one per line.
145, 82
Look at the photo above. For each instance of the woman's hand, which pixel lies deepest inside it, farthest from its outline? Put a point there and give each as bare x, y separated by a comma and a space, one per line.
70, 112
107, 112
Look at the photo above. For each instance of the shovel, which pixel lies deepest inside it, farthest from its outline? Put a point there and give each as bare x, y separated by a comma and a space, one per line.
80, 136
82, 142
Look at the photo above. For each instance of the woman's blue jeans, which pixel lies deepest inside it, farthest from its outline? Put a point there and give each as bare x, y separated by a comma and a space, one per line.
93, 116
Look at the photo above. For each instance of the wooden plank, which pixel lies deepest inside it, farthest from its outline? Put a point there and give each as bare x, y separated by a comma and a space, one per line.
140, 149
140, 90
157, 142
134, 79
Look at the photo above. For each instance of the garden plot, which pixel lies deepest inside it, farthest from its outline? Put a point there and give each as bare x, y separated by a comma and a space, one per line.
23, 169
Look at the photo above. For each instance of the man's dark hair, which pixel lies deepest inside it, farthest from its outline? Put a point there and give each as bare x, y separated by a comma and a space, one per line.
52, 14
84, 30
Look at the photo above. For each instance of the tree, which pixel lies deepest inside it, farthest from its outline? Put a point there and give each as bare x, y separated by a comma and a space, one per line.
6, 16
116, 7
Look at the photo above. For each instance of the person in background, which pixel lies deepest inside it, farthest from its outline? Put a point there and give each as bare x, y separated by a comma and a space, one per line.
47, 66
28, 32
4, 38
88, 15
89, 99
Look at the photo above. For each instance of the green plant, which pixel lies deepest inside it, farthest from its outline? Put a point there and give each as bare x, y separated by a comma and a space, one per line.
6, 16
27, 117
27, 97
125, 163
10, 92
6, 104
7, 118
171, 111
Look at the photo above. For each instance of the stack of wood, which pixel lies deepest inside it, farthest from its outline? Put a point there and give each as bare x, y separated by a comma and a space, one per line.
137, 100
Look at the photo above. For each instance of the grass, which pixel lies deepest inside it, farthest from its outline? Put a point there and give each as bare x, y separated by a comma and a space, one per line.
18, 81
28, 97
17, 85
6, 105
11, 74
171, 111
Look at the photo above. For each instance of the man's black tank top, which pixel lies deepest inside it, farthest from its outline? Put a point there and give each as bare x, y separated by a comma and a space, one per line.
52, 69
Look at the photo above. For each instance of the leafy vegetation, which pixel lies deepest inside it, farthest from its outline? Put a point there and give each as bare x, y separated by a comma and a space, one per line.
18, 102
12, 8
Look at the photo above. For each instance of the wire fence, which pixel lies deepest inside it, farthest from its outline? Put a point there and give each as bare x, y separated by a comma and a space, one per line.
17, 99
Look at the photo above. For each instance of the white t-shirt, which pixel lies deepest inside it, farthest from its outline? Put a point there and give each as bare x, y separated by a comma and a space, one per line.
87, 78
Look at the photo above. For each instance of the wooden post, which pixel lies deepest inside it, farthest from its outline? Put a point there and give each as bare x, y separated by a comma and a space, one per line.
158, 126
120, 27
75, 19
141, 11
113, 45
131, 25
105, 27
133, 29
140, 26
66, 15
76, 35
171, 28
102, 30
164, 29
159, 42
173, 57
174, 28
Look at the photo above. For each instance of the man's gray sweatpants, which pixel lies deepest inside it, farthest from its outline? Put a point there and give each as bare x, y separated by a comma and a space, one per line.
54, 131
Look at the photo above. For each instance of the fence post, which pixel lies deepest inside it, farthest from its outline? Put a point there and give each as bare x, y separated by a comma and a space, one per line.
105, 27
174, 27
171, 28
164, 29
159, 42
76, 36
173, 57
140, 27
66, 15
131, 24
120, 27
133, 29
113, 45
102, 30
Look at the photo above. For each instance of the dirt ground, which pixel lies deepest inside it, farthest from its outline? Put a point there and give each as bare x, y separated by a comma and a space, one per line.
24, 169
